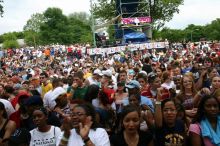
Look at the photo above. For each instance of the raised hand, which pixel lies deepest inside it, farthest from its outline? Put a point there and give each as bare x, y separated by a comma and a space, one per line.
67, 126
84, 129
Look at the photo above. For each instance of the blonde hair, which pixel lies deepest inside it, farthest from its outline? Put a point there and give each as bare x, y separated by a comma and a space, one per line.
182, 93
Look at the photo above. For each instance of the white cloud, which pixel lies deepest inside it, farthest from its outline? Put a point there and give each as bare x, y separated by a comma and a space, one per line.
16, 14
199, 12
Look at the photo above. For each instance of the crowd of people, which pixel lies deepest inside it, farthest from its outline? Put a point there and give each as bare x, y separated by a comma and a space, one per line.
64, 97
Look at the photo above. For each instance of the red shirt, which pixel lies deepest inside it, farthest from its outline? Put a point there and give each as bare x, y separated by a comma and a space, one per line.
165, 94
110, 93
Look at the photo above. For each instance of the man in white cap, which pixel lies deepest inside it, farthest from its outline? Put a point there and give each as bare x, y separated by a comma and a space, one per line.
95, 78
48, 100
62, 106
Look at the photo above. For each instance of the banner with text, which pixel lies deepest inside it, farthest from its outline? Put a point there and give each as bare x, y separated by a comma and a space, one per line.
131, 47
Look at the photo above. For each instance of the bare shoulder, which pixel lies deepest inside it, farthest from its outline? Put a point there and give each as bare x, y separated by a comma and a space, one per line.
11, 124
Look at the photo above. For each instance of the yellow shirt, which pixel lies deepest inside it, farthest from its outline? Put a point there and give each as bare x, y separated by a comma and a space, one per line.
87, 75
45, 89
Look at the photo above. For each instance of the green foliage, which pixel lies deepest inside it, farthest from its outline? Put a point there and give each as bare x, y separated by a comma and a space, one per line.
32, 29
192, 33
81, 16
173, 35
1, 39
10, 44
34, 23
10, 41
213, 30
104, 9
32, 38
111, 33
80, 32
61, 29
19, 35
1, 8
9, 36
55, 29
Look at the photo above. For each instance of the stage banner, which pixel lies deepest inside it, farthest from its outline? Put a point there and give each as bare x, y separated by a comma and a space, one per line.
131, 47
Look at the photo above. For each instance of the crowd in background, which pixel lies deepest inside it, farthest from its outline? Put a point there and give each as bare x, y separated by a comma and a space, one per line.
62, 96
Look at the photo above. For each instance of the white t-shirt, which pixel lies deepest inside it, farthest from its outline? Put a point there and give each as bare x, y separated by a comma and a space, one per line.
48, 100
95, 102
8, 107
50, 138
92, 81
169, 85
99, 137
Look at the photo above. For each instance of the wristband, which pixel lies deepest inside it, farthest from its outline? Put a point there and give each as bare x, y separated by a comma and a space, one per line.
158, 102
86, 140
65, 139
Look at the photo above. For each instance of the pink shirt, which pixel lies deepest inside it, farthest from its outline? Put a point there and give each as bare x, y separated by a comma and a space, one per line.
195, 128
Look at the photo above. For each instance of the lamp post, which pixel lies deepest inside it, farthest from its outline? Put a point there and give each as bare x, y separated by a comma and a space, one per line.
93, 23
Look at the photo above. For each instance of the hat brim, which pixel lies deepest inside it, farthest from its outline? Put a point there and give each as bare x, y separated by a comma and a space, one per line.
130, 86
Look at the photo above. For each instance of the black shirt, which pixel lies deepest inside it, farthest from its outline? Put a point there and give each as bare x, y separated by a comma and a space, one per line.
118, 139
171, 135
147, 68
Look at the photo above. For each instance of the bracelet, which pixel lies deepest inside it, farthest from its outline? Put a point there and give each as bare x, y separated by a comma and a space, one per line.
158, 102
86, 140
65, 139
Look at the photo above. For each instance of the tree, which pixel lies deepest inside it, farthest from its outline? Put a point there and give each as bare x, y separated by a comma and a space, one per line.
9, 36
55, 29
32, 38
34, 23
173, 35
1, 8
212, 31
32, 29
10, 44
81, 16
10, 41
82, 22
161, 11
79, 31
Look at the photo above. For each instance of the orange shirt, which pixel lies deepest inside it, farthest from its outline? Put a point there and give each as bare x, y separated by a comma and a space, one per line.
47, 52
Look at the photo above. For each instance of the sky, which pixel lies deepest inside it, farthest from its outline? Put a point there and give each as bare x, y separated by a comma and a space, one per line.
16, 14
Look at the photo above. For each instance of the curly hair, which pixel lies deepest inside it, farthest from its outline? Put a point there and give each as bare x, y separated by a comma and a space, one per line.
200, 115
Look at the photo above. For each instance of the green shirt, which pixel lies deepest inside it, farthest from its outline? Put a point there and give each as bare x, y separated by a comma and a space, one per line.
79, 93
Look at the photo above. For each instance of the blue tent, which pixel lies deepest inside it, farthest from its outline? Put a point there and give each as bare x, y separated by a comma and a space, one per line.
134, 37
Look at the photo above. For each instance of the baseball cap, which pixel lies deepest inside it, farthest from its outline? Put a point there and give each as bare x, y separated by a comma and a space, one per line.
131, 72
57, 92
34, 100
17, 86
107, 73
20, 136
133, 84
98, 72
151, 77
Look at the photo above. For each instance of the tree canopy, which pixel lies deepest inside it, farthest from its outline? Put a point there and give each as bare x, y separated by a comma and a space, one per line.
10, 41
1, 8
54, 27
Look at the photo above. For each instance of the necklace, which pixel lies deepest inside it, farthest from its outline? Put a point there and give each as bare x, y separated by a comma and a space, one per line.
133, 141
